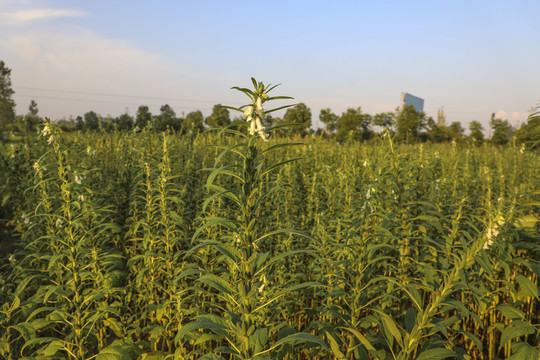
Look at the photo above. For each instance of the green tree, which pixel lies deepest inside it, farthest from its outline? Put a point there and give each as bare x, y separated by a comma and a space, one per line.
143, 117
456, 130
193, 122
477, 131
409, 123
124, 122
167, 119
30, 121
437, 131
329, 119
297, 119
91, 120
219, 118
502, 130
385, 120
529, 133
7, 105
79, 123
353, 124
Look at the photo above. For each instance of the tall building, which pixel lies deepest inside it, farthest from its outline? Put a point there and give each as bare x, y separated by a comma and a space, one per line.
408, 99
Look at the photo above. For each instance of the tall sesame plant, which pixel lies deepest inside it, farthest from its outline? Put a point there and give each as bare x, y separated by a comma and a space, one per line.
246, 318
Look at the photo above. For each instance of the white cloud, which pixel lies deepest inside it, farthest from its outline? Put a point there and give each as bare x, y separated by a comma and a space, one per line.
22, 16
515, 118
81, 61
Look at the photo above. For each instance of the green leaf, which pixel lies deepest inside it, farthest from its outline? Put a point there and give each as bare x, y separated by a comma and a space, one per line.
211, 357
362, 339
302, 337
391, 326
26, 329
217, 283
524, 351
527, 286
510, 312
514, 330
119, 352
335, 347
52, 348
410, 319
413, 293
476, 341
436, 354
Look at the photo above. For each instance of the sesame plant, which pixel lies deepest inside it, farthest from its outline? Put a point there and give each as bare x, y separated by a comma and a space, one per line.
245, 322
238, 244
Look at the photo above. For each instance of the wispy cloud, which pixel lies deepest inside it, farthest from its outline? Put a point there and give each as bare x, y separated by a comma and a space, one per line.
22, 16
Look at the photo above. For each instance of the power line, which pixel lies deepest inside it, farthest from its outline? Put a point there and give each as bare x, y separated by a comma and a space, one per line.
114, 95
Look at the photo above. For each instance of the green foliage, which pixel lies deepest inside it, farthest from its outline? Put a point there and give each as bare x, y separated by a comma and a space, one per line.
167, 120
409, 122
193, 122
219, 117
120, 245
476, 131
329, 119
502, 130
7, 105
143, 117
297, 120
353, 124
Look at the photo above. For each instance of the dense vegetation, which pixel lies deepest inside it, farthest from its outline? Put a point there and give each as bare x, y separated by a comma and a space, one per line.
170, 243
120, 244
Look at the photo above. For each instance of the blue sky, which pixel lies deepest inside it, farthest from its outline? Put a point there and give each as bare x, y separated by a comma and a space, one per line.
472, 58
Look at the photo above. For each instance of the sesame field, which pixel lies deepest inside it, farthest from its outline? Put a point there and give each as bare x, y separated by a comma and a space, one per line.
118, 246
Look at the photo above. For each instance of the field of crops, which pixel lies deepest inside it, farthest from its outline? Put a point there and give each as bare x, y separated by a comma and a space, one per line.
220, 246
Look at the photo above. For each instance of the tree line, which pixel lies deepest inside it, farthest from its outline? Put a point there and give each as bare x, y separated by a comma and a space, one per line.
407, 124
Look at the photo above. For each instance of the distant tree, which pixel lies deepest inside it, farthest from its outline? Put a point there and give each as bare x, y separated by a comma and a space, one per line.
7, 105
219, 118
79, 123
502, 130
167, 119
353, 124
193, 122
385, 120
441, 117
30, 121
476, 131
437, 131
329, 119
529, 133
91, 120
143, 117
409, 123
124, 122
456, 130
298, 120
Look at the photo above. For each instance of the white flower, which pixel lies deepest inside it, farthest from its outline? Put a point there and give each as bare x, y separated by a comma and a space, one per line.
78, 179
46, 130
260, 110
11, 258
81, 198
365, 163
252, 128
51, 139
260, 128
261, 288
25, 218
59, 222
522, 150
368, 194
248, 112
